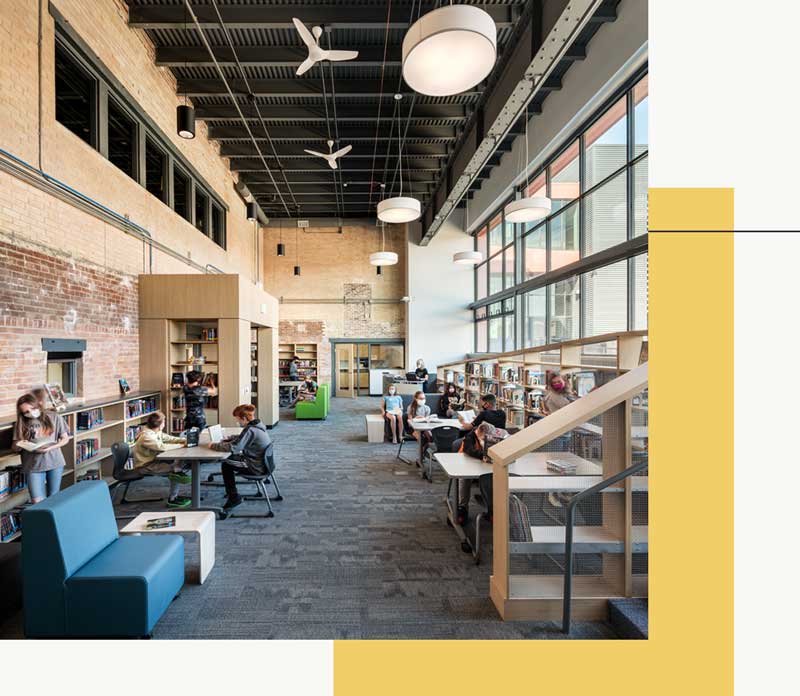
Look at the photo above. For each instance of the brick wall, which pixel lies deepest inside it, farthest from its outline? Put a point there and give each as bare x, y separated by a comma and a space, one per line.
46, 296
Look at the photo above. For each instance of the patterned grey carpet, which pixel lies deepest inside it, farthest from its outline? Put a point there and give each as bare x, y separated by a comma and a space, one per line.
359, 548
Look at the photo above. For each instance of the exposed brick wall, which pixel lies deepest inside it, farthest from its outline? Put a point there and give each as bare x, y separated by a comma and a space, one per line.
47, 296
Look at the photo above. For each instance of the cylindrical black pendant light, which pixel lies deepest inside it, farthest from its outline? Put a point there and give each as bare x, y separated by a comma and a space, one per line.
251, 211
378, 268
296, 254
297, 270
185, 117
281, 247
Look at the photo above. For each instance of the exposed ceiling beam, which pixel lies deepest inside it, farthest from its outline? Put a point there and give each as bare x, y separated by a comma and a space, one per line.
267, 56
301, 179
301, 87
359, 151
428, 164
345, 112
320, 133
280, 16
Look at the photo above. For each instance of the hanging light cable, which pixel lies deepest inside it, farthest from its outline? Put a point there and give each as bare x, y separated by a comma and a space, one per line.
529, 208
467, 258
185, 113
400, 208
383, 257
296, 254
281, 247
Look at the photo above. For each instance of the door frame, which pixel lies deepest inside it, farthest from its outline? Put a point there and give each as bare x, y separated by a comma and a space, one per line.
381, 341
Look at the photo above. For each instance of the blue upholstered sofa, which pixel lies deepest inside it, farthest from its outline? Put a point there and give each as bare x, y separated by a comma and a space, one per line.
81, 579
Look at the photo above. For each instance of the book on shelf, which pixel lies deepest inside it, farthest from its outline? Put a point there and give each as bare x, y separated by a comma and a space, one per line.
140, 407
10, 524
448, 376
208, 334
516, 418
534, 400
5, 487
459, 382
473, 383
509, 374
90, 475
474, 369
513, 394
176, 424
178, 379
86, 420
86, 449
131, 432
534, 378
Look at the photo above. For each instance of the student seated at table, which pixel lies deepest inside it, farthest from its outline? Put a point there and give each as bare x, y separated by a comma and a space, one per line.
451, 402
419, 409
476, 444
392, 410
247, 452
152, 441
306, 392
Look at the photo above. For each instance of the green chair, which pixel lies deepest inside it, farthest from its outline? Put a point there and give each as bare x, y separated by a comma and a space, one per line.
314, 410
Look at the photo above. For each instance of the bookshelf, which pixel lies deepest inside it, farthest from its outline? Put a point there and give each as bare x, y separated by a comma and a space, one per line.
93, 426
307, 352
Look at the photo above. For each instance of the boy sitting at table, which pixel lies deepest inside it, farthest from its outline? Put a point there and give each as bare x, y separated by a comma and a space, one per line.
152, 441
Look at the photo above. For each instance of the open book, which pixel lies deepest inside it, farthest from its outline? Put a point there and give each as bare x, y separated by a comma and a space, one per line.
33, 445
466, 416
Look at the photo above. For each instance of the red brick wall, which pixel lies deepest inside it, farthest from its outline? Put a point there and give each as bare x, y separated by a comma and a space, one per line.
47, 296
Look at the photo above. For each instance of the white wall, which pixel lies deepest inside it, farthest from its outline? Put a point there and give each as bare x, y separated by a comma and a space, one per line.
439, 325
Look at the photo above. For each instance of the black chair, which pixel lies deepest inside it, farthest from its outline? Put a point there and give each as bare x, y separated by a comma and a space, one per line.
406, 437
261, 481
443, 438
123, 477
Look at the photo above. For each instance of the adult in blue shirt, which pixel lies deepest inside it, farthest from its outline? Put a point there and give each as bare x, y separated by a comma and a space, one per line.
392, 410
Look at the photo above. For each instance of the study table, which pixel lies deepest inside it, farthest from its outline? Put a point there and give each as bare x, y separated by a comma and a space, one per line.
292, 386
427, 425
197, 456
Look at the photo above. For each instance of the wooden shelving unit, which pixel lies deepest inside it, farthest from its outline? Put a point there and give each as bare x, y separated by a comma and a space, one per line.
307, 352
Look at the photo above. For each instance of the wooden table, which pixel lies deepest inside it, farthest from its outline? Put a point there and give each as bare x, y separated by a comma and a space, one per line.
422, 426
197, 456
199, 524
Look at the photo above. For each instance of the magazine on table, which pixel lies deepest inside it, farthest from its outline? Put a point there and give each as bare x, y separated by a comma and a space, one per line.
160, 523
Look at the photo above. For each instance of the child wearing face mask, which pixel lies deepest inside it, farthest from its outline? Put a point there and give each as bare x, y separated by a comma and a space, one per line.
450, 403
152, 441
419, 409
392, 410
247, 452
43, 467
556, 395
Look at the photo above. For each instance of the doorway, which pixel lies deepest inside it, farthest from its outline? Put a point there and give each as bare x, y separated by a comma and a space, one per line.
359, 365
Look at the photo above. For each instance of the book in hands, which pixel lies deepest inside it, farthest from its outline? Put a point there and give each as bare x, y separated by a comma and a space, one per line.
35, 445
466, 416
160, 523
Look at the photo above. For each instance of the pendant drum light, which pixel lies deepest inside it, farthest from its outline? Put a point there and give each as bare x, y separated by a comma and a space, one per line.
185, 114
467, 258
383, 257
449, 50
529, 208
400, 208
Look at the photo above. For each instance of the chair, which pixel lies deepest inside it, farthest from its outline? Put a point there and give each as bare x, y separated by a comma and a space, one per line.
261, 481
82, 580
314, 410
405, 437
443, 438
121, 452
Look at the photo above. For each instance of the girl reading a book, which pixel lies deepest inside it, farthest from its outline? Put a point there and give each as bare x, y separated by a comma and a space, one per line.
451, 402
392, 410
39, 436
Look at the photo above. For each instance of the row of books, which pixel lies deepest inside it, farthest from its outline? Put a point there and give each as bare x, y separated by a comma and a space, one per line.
131, 432
86, 449
513, 394
178, 401
208, 335
10, 523
90, 475
179, 379
86, 420
140, 407
11, 480
177, 424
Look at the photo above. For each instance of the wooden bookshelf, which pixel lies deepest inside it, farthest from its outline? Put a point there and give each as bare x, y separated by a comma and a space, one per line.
307, 352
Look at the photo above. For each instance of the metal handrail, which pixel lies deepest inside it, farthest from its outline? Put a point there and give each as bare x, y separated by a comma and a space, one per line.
568, 555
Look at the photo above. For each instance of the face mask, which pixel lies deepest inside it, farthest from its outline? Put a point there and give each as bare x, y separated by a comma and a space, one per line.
33, 413
391, 392
420, 401
558, 386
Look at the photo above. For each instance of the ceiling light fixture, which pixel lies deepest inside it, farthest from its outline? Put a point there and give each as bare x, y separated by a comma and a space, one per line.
383, 257
528, 208
281, 247
400, 208
461, 37
185, 114
467, 258
251, 211
296, 253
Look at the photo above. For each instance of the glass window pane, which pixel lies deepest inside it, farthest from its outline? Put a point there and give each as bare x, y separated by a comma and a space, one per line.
482, 239
496, 235
535, 253
480, 313
509, 333
75, 92
537, 188
564, 238
200, 204
606, 144
155, 170
508, 305
509, 265
496, 274
482, 338
640, 117
121, 139
564, 300
496, 335
606, 216
639, 173
217, 231
181, 193
495, 309
534, 318
605, 292
565, 177
639, 276
480, 287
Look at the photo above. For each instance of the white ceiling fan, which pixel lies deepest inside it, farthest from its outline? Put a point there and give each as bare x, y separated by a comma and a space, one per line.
315, 53
331, 157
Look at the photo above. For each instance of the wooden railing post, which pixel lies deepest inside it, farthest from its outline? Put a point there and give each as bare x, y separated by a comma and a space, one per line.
498, 582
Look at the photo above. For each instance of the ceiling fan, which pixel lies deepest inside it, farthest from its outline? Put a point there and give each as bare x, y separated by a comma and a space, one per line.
331, 157
315, 53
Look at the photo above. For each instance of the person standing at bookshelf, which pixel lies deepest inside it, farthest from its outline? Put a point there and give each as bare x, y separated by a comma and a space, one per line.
44, 465
194, 393
294, 363
557, 395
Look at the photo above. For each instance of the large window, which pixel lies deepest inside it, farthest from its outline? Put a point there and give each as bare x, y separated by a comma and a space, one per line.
107, 118
598, 187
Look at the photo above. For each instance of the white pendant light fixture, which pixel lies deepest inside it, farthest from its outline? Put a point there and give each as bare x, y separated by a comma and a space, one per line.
449, 50
383, 257
467, 258
400, 208
529, 208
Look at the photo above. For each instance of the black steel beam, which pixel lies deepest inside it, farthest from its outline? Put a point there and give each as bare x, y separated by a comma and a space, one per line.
359, 151
279, 113
294, 163
319, 132
352, 177
301, 87
268, 56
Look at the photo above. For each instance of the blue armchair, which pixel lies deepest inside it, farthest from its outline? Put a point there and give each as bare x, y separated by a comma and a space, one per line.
81, 579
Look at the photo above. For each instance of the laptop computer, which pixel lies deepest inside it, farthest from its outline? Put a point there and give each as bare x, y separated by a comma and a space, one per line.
215, 433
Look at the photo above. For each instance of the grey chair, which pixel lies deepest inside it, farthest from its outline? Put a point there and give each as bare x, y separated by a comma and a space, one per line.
443, 438
123, 477
405, 437
262, 481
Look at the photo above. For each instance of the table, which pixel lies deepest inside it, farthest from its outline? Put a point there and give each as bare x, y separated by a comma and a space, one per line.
425, 426
292, 386
199, 524
196, 456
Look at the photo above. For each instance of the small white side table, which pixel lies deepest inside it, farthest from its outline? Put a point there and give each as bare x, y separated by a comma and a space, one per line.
198, 523
374, 427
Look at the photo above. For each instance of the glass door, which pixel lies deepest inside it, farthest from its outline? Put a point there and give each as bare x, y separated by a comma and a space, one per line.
345, 377
362, 365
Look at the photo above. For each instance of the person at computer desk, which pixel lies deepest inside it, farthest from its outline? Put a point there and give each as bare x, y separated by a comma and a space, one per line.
247, 452
421, 372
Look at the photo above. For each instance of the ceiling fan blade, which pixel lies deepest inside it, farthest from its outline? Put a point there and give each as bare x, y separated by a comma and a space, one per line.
316, 154
305, 34
340, 55
305, 66
342, 152
333, 164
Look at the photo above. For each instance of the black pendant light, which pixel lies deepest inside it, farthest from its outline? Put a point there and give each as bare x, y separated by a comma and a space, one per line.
281, 247
297, 270
251, 211
378, 268
185, 117
296, 254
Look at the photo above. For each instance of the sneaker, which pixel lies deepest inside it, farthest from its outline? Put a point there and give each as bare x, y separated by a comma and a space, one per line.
231, 503
180, 478
462, 515
552, 498
179, 501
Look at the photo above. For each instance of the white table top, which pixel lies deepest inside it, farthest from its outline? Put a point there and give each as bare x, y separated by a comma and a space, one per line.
638, 432
202, 451
430, 425
460, 465
293, 383
184, 522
